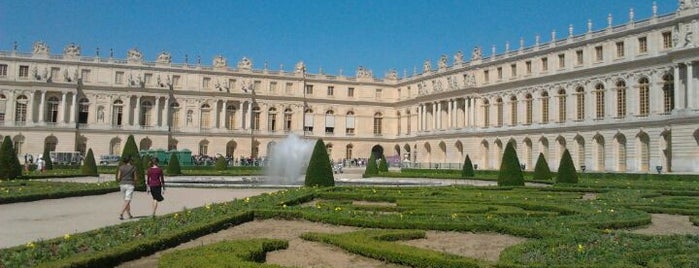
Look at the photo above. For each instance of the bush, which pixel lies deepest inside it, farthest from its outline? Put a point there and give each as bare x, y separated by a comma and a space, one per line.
319, 171
48, 164
173, 166
371, 168
89, 166
566, 169
229, 253
467, 170
383, 165
510, 170
131, 150
10, 167
542, 170
221, 163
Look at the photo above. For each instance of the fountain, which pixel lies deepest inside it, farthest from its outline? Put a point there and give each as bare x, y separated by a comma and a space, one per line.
288, 161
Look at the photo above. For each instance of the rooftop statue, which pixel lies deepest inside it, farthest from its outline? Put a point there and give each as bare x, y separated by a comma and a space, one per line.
41, 48
220, 62
245, 64
164, 57
72, 50
133, 55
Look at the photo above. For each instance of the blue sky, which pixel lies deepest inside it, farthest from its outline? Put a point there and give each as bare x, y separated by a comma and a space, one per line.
332, 35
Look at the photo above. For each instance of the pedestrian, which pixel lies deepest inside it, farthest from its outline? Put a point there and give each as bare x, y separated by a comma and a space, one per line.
126, 176
40, 163
156, 183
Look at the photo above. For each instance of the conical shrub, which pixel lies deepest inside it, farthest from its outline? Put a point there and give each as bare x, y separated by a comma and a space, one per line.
9, 163
383, 165
371, 168
89, 166
510, 170
48, 164
173, 165
467, 169
542, 170
566, 169
319, 171
131, 150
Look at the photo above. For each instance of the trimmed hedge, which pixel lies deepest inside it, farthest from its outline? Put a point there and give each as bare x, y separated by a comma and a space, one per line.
231, 253
173, 167
566, 169
467, 169
10, 167
542, 170
510, 169
89, 167
371, 168
319, 171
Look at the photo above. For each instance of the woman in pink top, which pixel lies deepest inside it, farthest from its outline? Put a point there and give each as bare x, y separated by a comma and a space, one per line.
156, 183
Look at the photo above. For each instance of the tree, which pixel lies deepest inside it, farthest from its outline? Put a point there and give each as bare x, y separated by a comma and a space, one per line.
467, 170
89, 166
173, 165
10, 168
510, 170
566, 169
319, 171
542, 170
48, 164
371, 168
131, 150
383, 165
221, 163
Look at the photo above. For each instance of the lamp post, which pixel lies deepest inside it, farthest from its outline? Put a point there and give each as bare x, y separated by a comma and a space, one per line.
305, 104
250, 87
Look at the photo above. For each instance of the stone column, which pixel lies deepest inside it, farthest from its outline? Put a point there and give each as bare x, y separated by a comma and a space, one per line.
137, 118
168, 112
450, 114
157, 110
249, 112
467, 112
30, 109
42, 106
125, 120
62, 109
214, 114
239, 117
691, 94
439, 115
434, 116
72, 108
10, 109
222, 115
679, 92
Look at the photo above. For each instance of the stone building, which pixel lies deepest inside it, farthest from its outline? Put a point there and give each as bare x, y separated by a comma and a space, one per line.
622, 98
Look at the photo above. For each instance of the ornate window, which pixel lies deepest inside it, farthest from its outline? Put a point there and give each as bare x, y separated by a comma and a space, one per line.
513, 110
561, 105
117, 113
84, 111
3, 105
529, 103
52, 110
498, 106
599, 101
21, 109
146, 113
349, 123
621, 99
204, 147
620, 49
580, 103
408, 119
378, 124
667, 40
175, 109
643, 101
486, 113
272, 119
348, 151
205, 116
230, 117
642, 45
308, 121
668, 93
329, 122
544, 107
287, 119
256, 118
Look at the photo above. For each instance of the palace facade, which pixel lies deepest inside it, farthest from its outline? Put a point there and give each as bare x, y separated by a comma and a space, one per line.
623, 98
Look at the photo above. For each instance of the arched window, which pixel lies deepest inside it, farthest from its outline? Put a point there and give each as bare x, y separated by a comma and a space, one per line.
175, 117
272, 119
513, 110
486, 113
409, 124
349, 123
668, 93
21, 109
530, 108
204, 147
580, 103
499, 108
398, 123
256, 118
544, 107
308, 121
84, 110
348, 151
621, 99
146, 113
205, 116
561, 106
230, 117
52, 109
643, 100
287, 119
329, 150
599, 101
117, 113
329, 122
378, 124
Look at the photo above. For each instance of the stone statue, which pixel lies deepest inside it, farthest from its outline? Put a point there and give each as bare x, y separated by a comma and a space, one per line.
443, 62
300, 67
459, 57
164, 57
476, 54
134, 55
66, 76
132, 82
469, 80
100, 114
45, 73
220, 62
688, 34
72, 50
245, 64
427, 66
364, 72
392, 75
41, 48
35, 73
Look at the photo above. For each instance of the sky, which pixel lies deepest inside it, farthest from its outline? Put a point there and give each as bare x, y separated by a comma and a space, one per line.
331, 36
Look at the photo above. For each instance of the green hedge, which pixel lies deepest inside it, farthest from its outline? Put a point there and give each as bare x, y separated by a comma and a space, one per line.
235, 253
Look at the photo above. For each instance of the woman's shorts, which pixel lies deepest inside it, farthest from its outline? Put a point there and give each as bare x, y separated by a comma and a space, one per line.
157, 193
127, 190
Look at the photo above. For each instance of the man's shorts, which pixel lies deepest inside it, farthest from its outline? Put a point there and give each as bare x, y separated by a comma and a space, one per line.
127, 190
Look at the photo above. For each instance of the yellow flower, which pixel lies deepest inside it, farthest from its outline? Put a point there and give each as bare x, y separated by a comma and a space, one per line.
580, 248
453, 215
607, 230
317, 205
31, 245
247, 199
208, 206
177, 215
338, 208
66, 236
284, 206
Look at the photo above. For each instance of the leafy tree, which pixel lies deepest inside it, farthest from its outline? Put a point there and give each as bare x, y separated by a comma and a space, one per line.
467, 170
319, 171
146, 161
48, 164
510, 170
542, 170
131, 150
566, 169
10, 167
221, 163
89, 166
383, 165
371, 168
173, 165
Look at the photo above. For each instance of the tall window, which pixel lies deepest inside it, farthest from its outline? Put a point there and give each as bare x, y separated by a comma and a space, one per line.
117, 112
84, 111
350, 92
513, 70
230, 117
256, 118
21, 109
273, 87
580, 103
348, 151
529, 103
621, 99
23, 71
642, 45
176, 81
349, 123
3, 104
146, 110
513, 110
85, 75
118, 78
620, 49
408, 119
3, 70
206, 83
331, 90
378, 121
643, 101
204, 147
52, 110
398, 123
499, 70
272, 119
499, 108
667, 40
561, 61
579, 57
668, 93
544, 64
175, 123
599, 54
329, 122
308, 121
544, 107
287, 119
289, 88
528, 66
379, 93
599, 101
205, 116
486, 113
486, 76
309, 89
621, 153
561, 105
